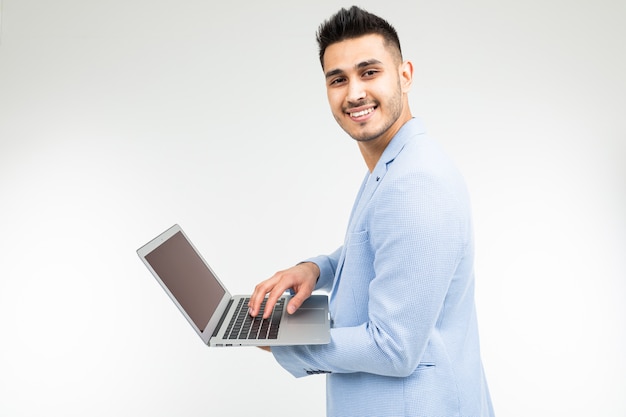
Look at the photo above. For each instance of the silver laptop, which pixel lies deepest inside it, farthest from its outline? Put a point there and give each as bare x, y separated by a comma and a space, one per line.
219, 318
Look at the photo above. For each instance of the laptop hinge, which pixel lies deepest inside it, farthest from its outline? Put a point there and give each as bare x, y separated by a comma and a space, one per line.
219, 324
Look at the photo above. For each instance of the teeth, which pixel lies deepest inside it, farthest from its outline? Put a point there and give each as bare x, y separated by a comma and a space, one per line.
362, 112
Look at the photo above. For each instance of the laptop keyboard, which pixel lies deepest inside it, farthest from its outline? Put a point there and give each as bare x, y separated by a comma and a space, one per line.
244, 326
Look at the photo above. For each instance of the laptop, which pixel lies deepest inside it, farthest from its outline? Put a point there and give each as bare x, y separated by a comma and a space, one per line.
219, 318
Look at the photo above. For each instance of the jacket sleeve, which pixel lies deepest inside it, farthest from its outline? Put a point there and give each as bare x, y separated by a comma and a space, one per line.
417, 230
328, 266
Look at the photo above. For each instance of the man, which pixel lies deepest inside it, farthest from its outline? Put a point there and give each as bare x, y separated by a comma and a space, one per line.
404, 340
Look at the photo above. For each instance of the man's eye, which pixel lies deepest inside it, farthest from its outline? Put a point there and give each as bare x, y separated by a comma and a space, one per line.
337, 81
369, 73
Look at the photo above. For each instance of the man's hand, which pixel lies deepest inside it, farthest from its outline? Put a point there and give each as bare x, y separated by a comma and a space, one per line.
300, 278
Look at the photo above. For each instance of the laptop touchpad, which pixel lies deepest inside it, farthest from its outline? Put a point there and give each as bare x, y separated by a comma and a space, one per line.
307, 316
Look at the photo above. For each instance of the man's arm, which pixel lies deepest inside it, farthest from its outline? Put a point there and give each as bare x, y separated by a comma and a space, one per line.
399, 276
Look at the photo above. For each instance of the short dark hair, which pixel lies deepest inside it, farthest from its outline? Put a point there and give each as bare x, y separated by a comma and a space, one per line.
354, 23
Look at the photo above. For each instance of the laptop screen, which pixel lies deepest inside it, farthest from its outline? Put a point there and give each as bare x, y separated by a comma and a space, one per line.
187, 277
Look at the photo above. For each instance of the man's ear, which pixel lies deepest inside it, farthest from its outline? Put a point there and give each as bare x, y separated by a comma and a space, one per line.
406, 76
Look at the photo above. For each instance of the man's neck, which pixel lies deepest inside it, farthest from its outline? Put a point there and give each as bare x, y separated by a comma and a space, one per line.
372, 150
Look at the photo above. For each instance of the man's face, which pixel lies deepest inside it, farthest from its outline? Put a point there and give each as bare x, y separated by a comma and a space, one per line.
365, 83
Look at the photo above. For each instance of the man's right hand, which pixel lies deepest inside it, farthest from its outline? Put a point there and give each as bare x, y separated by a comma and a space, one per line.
300, 278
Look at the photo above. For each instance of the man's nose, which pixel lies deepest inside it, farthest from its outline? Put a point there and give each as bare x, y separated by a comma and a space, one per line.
356, 92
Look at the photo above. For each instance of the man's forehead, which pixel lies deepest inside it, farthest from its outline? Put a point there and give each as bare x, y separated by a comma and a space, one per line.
355, 52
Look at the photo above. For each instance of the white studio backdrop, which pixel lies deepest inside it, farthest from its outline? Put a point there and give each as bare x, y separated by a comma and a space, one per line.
120, 118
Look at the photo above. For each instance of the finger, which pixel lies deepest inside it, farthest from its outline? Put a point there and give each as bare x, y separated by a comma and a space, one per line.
257, 296
273, 288
272, 297
299, 297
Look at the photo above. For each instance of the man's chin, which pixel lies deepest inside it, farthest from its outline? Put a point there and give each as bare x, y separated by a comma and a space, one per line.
363, 136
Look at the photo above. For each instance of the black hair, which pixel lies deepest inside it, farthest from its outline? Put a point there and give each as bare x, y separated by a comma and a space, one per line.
354, 23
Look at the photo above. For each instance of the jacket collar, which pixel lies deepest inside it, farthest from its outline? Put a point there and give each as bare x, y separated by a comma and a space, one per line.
410, 129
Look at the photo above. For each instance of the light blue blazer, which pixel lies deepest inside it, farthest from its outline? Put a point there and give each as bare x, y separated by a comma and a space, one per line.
404, 340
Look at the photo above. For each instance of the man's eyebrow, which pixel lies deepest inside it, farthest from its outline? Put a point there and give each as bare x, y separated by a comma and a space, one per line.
360, 65
334, 72
368, 63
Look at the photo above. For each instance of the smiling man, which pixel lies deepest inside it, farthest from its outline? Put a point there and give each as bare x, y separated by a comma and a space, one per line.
404, 340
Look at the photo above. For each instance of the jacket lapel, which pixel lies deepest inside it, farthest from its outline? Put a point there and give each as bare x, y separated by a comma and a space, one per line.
370, 185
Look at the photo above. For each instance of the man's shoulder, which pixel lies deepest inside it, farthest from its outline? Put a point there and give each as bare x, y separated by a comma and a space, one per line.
422, 153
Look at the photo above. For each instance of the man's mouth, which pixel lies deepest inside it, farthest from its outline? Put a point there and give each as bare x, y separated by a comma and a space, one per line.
362, 112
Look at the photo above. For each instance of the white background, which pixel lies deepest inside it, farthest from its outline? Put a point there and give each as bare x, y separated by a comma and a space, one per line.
119, 118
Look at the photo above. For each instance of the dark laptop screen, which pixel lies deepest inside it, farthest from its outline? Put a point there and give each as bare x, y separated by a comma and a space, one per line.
187, 277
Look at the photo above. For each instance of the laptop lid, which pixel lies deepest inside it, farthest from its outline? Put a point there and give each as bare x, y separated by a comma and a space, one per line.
187, 279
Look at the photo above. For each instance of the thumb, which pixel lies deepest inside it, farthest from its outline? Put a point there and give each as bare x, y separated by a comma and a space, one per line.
294, 303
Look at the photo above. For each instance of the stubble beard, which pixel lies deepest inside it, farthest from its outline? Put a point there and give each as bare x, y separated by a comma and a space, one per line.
394, 105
